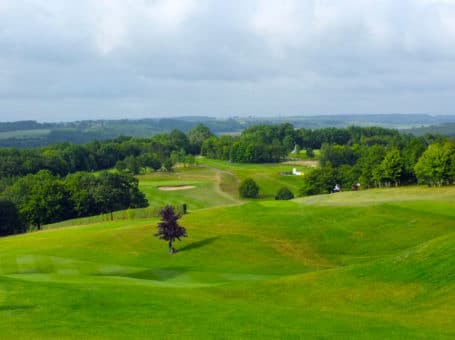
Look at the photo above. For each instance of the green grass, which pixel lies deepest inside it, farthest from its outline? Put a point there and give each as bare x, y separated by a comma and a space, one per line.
211, 188
269, 177
376, 264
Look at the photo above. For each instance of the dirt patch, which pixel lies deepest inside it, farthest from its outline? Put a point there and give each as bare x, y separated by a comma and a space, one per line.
177, 187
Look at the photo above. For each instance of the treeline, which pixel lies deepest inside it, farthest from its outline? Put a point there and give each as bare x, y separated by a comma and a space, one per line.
62, 159
406, 160
28, 134
257, 144
44, 198
272, 143
50, 184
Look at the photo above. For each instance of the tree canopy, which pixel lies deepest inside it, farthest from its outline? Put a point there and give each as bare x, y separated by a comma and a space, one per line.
169, 228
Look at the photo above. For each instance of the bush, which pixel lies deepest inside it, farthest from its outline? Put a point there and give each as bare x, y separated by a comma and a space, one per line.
249, 189
284, 194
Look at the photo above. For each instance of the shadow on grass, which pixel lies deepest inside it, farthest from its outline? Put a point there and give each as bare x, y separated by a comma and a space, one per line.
161, 274
198, 244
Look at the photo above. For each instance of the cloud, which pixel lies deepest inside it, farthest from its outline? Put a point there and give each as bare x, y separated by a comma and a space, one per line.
188, 56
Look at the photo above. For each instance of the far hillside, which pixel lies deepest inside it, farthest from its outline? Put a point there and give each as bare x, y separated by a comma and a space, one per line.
26, 134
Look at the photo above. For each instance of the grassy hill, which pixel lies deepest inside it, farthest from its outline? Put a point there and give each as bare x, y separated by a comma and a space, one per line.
369, 264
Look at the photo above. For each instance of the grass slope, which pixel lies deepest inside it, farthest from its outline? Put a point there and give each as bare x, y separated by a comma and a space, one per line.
370, 264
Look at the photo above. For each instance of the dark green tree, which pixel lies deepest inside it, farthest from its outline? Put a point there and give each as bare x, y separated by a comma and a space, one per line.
309, 152
41, 198
120, 166
168, 164
197, 136
169, 228
10, 222
249, 189
284, 194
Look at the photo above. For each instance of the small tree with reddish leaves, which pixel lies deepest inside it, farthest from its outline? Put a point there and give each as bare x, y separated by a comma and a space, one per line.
168, 227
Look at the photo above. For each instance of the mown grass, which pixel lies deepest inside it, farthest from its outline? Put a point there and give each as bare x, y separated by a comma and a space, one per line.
270, 177
370, 264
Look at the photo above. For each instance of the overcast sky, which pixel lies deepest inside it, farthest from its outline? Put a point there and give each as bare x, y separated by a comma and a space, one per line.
68, 60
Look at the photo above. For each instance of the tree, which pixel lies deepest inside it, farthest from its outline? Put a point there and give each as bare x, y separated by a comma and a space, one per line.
41, 198
9, 219
168, 164
149, 160
81, 187
284, 194
197, 136
319, 181
120, 166
132, 164
309, 152
436, 165
169, 228
249, 188
389, 170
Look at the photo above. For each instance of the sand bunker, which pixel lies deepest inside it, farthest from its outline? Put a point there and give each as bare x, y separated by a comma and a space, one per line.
178, 187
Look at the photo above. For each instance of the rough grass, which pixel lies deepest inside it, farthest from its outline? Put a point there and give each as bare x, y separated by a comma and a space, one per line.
370, 264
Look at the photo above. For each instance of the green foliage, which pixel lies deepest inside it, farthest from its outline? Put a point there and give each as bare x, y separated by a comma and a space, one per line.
337, 155
168, 164
10, 222
370, 158
309, 153
389, 170
197, 136
249, 189
257, 144
436, 166
284, 194
319, 181
40, 198
43, 198
132, 164
150, 160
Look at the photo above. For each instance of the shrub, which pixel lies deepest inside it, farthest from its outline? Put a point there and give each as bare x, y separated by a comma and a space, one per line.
284, 194
249, 188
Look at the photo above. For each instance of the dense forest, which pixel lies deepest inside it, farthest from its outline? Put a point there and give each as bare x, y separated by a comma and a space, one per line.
48, 184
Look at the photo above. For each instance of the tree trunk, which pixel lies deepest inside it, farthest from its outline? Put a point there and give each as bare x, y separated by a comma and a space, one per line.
112, 216
171, 250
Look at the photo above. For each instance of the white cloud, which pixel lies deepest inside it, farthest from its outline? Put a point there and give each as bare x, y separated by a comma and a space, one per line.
120, 21
248, 51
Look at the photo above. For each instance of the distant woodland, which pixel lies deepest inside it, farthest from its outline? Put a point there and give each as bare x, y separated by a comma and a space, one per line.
26, 134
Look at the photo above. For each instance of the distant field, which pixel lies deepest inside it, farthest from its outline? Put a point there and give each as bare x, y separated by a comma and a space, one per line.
372, 264
24, 134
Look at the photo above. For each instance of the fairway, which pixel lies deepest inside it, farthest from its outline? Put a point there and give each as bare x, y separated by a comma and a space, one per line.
372, 264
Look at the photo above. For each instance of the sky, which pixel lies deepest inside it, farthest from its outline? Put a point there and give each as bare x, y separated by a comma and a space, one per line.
63, 60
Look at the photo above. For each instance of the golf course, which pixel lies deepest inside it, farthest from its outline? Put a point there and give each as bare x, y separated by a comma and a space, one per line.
372, 264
